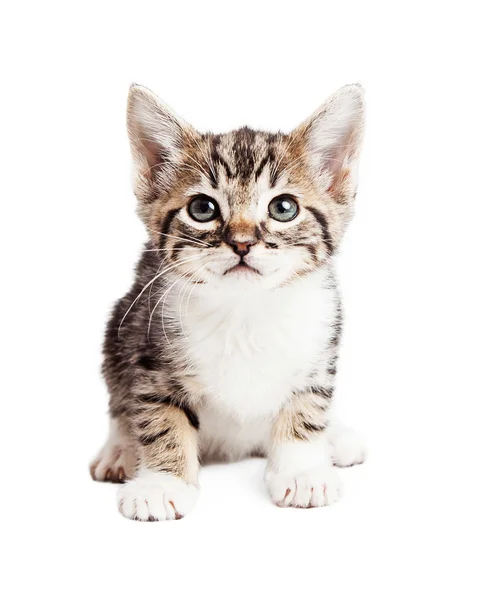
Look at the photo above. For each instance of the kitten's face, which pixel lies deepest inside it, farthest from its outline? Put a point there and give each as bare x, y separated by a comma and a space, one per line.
245, 208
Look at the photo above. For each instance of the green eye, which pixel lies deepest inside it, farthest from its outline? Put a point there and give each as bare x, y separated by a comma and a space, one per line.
203, 208
283, 208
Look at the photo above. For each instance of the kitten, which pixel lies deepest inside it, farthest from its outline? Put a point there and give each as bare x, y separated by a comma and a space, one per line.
226, 345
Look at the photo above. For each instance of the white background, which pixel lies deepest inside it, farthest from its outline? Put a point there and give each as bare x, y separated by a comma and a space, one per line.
407, 526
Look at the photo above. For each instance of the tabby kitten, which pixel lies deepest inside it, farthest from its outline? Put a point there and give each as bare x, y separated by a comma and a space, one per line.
226, 345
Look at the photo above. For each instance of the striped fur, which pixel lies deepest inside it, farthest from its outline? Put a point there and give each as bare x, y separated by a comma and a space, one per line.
226, 344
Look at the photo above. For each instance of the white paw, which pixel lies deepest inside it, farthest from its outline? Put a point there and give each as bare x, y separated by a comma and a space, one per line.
347, 447
156, 497
319, 487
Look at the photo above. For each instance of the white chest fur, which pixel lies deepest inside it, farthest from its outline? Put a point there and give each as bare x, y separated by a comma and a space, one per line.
251, 349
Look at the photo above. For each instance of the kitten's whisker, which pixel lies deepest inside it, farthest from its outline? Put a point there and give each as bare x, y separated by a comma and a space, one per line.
198, 256
151, 286
159, 249
191, 291
184, 239
169, 249
185, 287
151, 282
181, 295
163, 296
193, 239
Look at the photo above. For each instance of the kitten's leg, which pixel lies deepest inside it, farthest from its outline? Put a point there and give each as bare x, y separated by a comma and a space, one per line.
166, 484
347, 446
116, 461
300, 471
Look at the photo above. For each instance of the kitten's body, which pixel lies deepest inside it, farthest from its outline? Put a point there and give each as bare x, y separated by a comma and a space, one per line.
239, 355
206, 359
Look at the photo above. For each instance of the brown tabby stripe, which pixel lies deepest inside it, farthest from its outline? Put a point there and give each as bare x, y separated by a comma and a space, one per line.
321, 219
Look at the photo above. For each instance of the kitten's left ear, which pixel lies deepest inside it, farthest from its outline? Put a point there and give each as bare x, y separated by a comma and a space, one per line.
333, 136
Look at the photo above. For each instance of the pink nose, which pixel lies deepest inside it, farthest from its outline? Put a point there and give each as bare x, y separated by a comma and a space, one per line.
242, 248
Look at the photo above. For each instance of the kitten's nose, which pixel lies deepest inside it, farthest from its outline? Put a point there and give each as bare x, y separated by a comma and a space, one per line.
242, 248
240, 234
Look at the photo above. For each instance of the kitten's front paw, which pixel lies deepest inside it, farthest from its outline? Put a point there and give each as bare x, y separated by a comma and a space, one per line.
115, 463
305, 490
348, 447
156, 497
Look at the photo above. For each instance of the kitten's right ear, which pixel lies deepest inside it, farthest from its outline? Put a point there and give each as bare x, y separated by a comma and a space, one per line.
156, 138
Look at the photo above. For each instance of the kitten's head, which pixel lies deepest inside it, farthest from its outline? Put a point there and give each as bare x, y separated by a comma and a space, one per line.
246, 207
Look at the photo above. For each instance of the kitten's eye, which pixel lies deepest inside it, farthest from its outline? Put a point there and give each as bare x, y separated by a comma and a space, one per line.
203, 208
283, 208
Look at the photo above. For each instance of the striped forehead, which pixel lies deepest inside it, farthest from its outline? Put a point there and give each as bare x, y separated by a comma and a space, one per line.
242, 155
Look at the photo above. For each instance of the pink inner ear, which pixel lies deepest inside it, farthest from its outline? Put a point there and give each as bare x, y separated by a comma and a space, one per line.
338, 166
151, 152
153, 156
337, 163
339, 154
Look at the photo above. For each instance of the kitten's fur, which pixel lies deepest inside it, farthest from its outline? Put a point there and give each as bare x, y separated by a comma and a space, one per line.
202, 362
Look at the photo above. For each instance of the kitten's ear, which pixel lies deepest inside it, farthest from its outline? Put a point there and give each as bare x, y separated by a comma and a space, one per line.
332, 138
156, 138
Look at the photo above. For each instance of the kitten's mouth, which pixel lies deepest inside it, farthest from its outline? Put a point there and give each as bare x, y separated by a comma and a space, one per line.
242, 267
